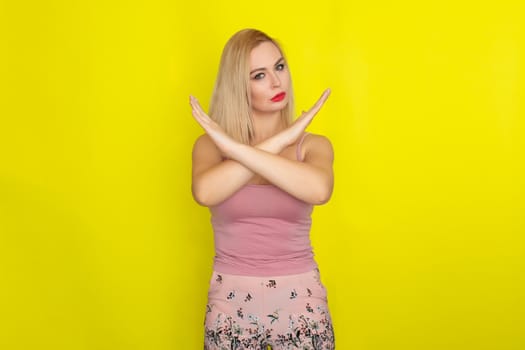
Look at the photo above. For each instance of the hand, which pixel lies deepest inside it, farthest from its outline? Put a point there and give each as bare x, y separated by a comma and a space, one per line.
222, 140
292, 133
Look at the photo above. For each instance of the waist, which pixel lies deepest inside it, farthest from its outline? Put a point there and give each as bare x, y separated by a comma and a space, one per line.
264, 266
261, 241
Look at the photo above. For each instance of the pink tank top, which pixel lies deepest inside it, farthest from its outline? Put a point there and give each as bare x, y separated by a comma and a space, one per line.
262, 230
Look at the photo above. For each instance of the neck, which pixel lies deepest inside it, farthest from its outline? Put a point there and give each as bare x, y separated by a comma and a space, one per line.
266, 125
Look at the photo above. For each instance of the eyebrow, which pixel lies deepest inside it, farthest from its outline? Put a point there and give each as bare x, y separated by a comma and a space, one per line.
276, 63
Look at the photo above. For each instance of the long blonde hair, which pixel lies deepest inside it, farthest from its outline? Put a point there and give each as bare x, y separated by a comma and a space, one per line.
230, 104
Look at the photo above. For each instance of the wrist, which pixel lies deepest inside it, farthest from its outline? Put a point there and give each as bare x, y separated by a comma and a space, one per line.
283, 139
235, 150
274, 144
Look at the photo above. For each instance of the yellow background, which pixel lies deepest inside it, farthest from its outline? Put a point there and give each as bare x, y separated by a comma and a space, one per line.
421, 246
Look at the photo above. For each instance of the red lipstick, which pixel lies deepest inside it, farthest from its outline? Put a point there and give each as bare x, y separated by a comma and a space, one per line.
279, 97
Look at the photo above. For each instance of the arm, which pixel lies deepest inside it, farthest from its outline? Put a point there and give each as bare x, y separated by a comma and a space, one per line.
214, 180
310, 181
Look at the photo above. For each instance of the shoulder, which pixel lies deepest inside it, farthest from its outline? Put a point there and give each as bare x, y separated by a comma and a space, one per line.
316, 145
205, 145
316, 141
203, 141
317, 138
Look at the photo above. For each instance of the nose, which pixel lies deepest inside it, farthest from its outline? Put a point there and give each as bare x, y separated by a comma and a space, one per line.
276, 81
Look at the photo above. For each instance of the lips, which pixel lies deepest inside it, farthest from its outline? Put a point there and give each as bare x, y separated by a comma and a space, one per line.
279, 97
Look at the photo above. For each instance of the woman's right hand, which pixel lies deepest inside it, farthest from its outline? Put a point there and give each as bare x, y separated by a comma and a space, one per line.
294, 131
222, 140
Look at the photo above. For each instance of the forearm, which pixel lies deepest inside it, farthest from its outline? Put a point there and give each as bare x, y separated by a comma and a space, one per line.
302, 180
221, 181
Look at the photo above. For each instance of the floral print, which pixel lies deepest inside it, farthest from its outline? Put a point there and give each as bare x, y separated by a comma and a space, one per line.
284, 312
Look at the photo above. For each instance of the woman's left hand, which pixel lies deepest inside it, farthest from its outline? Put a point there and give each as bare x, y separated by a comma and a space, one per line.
222, 140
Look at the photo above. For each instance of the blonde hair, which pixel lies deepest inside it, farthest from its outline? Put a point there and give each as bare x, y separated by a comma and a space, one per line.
230, 104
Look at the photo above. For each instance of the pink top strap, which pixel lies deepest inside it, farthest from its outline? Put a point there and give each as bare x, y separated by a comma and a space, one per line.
299, 144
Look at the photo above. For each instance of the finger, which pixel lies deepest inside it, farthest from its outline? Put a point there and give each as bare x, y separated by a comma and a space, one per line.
306, 117
201, 112
198, 112
202, 120
195, 104
317, 106
302, 115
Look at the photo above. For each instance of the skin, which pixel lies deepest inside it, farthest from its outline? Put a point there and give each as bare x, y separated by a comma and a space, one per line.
270, 159
269, 75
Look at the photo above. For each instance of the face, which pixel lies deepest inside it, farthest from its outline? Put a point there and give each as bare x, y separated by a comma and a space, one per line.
269, 79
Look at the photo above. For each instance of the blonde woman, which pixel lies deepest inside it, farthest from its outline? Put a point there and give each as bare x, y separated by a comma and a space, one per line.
260, 174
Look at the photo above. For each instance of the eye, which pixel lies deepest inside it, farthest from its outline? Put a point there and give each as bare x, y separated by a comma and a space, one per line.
258, 76
280, 66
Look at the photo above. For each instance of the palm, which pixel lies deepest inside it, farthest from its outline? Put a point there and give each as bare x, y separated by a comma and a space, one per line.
223, 141
300, 124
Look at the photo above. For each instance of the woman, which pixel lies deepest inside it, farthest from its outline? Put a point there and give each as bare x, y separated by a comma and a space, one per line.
260, 174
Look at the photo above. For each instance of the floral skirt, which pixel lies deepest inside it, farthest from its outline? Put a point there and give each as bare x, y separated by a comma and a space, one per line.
284, 312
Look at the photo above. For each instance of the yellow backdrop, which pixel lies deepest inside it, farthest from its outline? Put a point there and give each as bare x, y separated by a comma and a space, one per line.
421, 246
